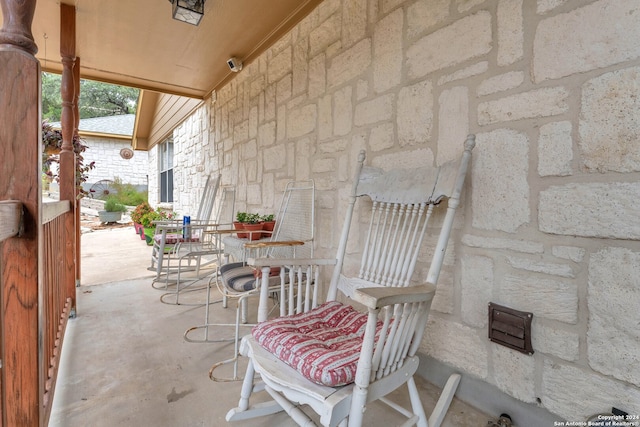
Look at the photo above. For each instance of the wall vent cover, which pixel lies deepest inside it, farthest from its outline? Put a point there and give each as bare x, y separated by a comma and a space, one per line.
511, 328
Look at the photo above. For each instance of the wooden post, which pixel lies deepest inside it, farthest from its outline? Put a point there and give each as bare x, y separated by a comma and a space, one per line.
67, 155
76, 111
20, 179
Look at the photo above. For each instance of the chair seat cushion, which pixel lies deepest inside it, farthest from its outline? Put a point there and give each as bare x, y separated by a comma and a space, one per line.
322, 344
240, 277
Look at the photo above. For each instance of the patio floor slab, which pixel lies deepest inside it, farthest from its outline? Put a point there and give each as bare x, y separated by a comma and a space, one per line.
125, 362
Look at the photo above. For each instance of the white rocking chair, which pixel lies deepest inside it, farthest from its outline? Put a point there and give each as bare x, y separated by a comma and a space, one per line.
187, 258
331, 357
169, 232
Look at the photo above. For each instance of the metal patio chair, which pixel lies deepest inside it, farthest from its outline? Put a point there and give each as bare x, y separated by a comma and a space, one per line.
331, 356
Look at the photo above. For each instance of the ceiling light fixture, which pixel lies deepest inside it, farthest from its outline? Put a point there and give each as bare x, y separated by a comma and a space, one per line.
189, 11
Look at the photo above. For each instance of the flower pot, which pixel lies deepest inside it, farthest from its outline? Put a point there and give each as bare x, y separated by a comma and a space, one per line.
239, 226
147, 234
255, 231
52, 151
139, 230
268, 226
107, 217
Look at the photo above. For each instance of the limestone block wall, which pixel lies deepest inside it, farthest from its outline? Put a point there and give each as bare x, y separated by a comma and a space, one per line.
153, 191
105, 152
550, 221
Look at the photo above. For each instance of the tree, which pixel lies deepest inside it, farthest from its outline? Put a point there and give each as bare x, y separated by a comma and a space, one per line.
51, 98
101, 99
97, 99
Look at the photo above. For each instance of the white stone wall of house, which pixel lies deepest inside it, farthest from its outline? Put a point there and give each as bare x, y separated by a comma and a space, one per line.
110, 164
153, 192
550, 221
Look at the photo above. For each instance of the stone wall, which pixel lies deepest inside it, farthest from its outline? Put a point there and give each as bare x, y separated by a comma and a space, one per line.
550, 221
105, 152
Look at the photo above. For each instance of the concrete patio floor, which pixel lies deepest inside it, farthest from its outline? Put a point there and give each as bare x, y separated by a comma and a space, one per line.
125, 362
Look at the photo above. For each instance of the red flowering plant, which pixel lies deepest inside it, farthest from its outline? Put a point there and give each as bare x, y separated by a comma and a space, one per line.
52, 143
139, 211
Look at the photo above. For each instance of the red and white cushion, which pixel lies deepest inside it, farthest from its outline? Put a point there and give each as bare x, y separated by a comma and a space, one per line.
173, 238
323, 344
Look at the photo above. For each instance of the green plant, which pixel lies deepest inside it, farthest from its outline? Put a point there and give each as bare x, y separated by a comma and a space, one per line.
241, 217
128, 194
268, 217
148, 218
112, 205
253, 218
139, 211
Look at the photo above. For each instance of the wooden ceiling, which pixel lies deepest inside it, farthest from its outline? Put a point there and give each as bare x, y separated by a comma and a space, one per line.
137, 43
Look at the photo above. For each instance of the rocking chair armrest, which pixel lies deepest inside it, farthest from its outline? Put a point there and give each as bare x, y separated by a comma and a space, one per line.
222, 230
168, 227
261, 245
378, 297
172, 223
283, 262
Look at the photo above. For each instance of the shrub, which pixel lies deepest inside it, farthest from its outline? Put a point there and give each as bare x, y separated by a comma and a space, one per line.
112, 205
127, 194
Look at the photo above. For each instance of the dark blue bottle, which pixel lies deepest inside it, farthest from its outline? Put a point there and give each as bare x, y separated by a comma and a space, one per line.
186, 227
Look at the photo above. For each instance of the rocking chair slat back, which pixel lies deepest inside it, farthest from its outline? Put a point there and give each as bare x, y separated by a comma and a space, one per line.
401, 210
225, 206
205, 209
295, 220
393, 241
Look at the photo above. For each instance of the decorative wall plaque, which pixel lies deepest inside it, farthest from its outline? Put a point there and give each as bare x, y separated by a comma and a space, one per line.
126, 153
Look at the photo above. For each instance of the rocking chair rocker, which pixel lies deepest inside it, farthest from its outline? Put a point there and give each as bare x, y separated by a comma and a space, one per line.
330, 356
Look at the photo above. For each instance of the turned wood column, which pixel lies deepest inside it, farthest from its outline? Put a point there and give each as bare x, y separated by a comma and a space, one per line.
67, 155
76, 115
20, 179
17, 16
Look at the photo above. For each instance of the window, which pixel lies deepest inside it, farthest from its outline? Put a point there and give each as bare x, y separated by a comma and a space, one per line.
166, 171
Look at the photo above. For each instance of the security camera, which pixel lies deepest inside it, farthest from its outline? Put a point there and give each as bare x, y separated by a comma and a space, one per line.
234, 64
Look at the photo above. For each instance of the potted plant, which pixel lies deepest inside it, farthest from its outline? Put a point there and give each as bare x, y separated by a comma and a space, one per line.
112, 211
238, 224
268, 223
148, 227
51, 147
136, 217
253, 224
148, 222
